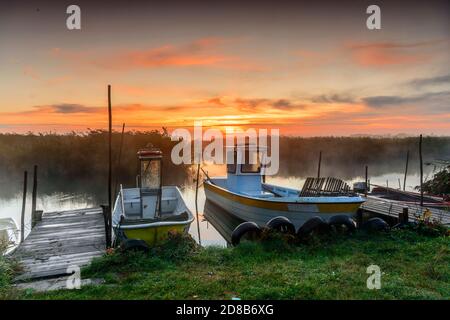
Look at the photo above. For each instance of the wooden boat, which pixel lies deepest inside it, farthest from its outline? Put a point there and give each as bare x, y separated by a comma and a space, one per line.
150, 211
244, 194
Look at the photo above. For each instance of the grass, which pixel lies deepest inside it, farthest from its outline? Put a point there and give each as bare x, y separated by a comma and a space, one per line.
8, 268
413, 266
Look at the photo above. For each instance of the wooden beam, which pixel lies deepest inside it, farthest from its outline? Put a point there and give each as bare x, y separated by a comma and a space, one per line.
421, 170
406, 170
116, 183
320, 162
34, 196
24, 202
367, 180
109, 218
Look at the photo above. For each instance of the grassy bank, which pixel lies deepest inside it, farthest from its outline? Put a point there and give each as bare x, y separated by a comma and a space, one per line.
413, 266
7, 270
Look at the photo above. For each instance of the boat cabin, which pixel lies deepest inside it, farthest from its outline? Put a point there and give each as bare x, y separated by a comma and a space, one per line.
244, 170
144, 201
150, 182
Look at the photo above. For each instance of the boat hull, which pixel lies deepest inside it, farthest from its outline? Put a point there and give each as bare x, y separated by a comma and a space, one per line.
154, 230
261, 211
154, 235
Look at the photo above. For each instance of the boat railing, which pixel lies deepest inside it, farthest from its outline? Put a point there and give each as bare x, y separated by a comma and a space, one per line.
122, 204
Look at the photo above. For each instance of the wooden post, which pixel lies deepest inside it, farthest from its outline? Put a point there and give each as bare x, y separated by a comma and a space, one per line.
196, 204
406, 170
399, 184
403, 216
33, 199
109, 218
421, 170
367, 180
24, 202
106, 211
359, 216
320, 162
118, 161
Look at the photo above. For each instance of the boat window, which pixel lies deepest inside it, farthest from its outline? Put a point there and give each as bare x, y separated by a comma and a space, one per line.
151, 174
231, 167
251, 162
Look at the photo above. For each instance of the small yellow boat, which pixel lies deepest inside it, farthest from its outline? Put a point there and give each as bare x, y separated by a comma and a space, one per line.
149, 212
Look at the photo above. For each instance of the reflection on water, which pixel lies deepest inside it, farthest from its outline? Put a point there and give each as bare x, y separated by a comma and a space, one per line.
208, 234
215, 224
223, 222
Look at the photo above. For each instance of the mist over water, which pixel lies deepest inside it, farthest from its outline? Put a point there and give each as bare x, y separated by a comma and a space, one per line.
298, 160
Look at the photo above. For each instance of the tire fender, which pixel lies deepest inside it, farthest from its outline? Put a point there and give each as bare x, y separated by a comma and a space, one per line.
134, 245
244, 228
281, 224
313, 224
343, 220
375, 224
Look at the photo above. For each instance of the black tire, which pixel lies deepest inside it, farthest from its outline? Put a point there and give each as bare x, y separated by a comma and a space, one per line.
248, 228
315, 224
134, 245
405, 225
281, 224
340, 220
375, 225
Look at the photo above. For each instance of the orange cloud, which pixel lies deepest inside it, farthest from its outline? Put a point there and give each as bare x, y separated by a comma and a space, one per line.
201, 52
391, 53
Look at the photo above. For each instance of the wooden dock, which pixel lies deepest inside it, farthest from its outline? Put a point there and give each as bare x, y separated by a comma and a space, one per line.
392, 208
62, 240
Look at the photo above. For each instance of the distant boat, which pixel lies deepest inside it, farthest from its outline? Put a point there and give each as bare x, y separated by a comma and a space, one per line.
150, 211
244, 194
9, 235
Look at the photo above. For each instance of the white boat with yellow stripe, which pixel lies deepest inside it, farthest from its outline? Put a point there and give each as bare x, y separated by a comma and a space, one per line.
244, 194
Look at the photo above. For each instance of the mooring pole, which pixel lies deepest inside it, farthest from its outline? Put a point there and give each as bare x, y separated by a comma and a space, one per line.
367, 180
118, 160
108, 233
24, 202
403, 215
34, 195
196, 203
406, 170
421, 170
320, 162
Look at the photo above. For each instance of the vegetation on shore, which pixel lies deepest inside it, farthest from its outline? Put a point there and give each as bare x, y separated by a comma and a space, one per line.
81, 158
439, 184
414, 265
8, 268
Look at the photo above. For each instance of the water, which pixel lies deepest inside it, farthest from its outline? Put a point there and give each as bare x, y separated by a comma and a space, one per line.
10, 205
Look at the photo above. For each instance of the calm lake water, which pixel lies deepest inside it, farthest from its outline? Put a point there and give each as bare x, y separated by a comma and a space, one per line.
209, 215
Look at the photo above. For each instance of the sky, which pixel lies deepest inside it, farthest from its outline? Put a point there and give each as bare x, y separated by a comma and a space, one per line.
305, 68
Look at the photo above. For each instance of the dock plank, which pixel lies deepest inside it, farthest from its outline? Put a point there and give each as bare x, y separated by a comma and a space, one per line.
393, 208
61, 240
